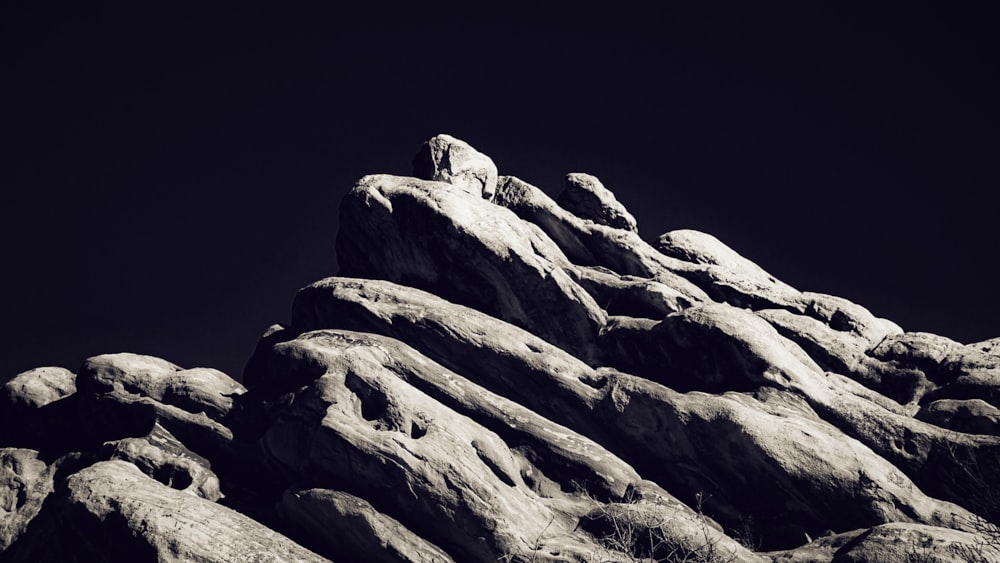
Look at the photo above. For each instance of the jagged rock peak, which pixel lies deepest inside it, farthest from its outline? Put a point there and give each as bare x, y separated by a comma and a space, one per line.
447, 159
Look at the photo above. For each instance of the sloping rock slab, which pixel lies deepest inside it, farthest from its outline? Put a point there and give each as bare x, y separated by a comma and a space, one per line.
362, 532
586, 197
465, 249
111, 511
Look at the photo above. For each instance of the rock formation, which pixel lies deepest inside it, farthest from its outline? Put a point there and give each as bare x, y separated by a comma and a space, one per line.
497, 375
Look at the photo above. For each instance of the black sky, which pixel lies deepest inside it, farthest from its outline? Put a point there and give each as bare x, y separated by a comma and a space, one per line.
170, 177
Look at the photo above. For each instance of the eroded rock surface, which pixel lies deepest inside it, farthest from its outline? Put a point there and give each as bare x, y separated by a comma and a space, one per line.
586, 197
447, 159
495, 374
38, 387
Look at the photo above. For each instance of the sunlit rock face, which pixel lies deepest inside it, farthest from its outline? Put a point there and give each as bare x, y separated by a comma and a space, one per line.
496, 374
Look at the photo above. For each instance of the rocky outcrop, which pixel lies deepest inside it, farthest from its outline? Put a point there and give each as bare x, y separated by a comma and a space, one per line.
913, 542
38, 387
586, 197
495, 374
970, 416
198, 390
447, 159
25, 482
466, 249
110, 510
363, 533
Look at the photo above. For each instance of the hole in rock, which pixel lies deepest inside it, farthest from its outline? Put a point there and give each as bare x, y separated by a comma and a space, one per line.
417, 431
374, 402
173, 476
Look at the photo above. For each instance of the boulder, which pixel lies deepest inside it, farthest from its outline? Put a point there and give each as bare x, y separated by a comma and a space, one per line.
846, 352
959, 372
655, 531
444, 158
25, 483
506, 365
194, 390
362, 425
990, 346
431, 236
768, 458
502, 358
914, 542
629, 295
112, 511
131, 373
363, 533
646, 424
555, 468
38, 387
724, 274
972, 416
161, 456
727, 276
586, 197
713, 347
820, 550
589, 244
719, 347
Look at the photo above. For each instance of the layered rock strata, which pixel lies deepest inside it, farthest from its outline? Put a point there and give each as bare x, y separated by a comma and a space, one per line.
496, 374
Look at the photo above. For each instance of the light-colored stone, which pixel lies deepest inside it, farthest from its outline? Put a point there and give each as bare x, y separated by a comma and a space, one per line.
972, 416
112, 510
727, 276
38, 387
362, 532
586, 197
195, 390
431, 236
161, 456
25, 483
444, 158
589, 244
630, 295
907, 542
724, 274
846, 352
361, 426
507, 372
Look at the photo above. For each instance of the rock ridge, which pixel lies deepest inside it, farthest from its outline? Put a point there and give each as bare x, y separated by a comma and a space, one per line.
495, 374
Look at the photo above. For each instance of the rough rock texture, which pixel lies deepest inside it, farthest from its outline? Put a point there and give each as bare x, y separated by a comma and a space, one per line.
363, 533
196, 390
586, 197
112, 508
38, 387
468, 250
913, 542
25, 482
447, 159
971, 416
495, 374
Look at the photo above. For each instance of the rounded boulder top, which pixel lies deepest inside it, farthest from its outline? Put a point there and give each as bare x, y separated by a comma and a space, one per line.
586, 197
444, 158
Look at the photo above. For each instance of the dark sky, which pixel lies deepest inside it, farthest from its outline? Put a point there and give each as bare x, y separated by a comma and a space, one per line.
171, 177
